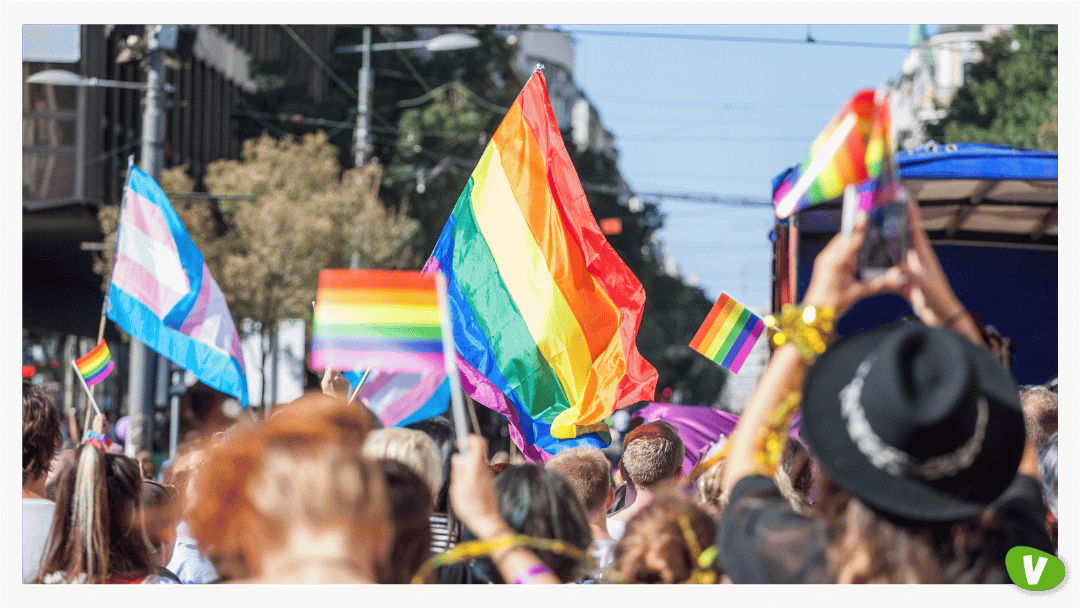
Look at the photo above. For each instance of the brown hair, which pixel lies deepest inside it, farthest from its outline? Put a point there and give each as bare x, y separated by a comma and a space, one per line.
654, 548
652, 452
588, 472
540, 503
41, 432
410, 511
865, 546
159, 508
95, 531
1040, 406
303, 464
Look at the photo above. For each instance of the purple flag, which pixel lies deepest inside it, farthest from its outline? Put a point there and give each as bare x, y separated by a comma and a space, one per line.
699, 427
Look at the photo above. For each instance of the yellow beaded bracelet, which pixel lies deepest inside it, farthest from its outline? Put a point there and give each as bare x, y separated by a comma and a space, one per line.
808, 327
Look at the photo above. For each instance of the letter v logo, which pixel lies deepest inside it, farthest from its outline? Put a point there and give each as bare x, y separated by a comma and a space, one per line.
1034, 570
1033, 574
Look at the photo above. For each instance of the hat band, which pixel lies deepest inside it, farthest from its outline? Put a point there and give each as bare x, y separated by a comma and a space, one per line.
894, 461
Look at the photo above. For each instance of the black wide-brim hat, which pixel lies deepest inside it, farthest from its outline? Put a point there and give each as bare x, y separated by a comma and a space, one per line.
916, 422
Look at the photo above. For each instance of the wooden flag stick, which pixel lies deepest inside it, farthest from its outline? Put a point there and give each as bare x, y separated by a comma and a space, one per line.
472, 414
359, 386
89, 395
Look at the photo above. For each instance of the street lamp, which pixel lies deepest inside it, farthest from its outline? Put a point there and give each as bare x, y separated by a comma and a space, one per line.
446, 42
158, 39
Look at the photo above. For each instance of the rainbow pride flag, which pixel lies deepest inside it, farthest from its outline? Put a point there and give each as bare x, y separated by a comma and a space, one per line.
728, 333
545, 314
95, 365
836, 158
384, 319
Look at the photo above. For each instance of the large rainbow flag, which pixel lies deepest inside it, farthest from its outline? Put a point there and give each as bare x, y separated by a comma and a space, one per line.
545, 314
383, 319
728, 334
852, 149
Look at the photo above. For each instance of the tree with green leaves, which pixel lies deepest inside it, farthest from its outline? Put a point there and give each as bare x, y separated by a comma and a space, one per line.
286, 212
1010, 97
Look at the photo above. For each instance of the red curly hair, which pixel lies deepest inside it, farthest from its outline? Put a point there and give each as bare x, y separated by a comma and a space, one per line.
304, 462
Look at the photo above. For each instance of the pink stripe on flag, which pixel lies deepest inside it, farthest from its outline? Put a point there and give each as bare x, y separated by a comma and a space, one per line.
736, 365
98, 377
390, 361
146, 216
130, 276
412, 400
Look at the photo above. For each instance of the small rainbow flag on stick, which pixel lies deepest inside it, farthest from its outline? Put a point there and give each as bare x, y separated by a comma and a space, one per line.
728, 333
95, 365
386, 319
836, 158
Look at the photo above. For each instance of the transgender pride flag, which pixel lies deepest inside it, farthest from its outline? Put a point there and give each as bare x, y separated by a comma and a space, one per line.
162, 293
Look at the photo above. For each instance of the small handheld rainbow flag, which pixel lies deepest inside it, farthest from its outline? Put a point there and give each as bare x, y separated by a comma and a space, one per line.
386, 319
95, 365
728, 333
837, 157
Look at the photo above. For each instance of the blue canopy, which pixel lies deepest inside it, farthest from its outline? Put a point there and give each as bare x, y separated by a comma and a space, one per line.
991, 214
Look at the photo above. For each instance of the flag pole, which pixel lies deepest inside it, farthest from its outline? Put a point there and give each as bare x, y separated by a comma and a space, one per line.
359, 386
89, 395
450, 361
472, 414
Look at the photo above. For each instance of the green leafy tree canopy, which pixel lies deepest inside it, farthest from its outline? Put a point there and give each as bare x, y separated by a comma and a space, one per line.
1011, 96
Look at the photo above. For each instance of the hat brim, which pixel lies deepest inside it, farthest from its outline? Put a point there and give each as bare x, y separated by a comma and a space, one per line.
966, 493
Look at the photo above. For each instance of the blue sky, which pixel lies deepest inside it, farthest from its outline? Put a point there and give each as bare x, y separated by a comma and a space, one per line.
724, 118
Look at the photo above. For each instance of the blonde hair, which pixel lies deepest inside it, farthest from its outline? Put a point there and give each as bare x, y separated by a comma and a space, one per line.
412, 448
708, 492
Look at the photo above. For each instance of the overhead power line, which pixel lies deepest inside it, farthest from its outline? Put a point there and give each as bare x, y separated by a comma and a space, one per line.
715, 38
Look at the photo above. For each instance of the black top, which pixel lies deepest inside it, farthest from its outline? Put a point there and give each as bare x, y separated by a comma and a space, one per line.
761, 539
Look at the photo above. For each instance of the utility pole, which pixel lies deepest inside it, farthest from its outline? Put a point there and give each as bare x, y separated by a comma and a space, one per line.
142, 363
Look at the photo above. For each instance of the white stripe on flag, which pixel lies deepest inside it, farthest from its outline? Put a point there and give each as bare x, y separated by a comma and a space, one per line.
160, 262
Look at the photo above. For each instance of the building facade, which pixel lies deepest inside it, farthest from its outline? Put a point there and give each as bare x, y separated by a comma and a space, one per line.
935, 67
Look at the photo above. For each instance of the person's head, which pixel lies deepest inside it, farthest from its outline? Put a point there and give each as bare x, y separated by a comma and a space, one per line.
914, 429
293, 486
410, 510
160, 512
41, 433
442, 433
795, 476
657, 549
540, 503
1040, 406
96, 533
587, 470
653, 454
146, 465
709, 492
410, 447
60, 463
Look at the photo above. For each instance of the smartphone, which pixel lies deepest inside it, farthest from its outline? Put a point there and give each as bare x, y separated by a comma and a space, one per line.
886, 239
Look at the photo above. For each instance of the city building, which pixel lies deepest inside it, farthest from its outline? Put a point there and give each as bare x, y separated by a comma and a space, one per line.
76, 144
935, 67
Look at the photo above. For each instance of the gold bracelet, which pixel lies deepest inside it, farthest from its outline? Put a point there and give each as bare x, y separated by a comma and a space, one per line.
773, 437
808, 327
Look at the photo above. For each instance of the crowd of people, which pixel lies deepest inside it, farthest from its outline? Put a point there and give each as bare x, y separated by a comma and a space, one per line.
918, 460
